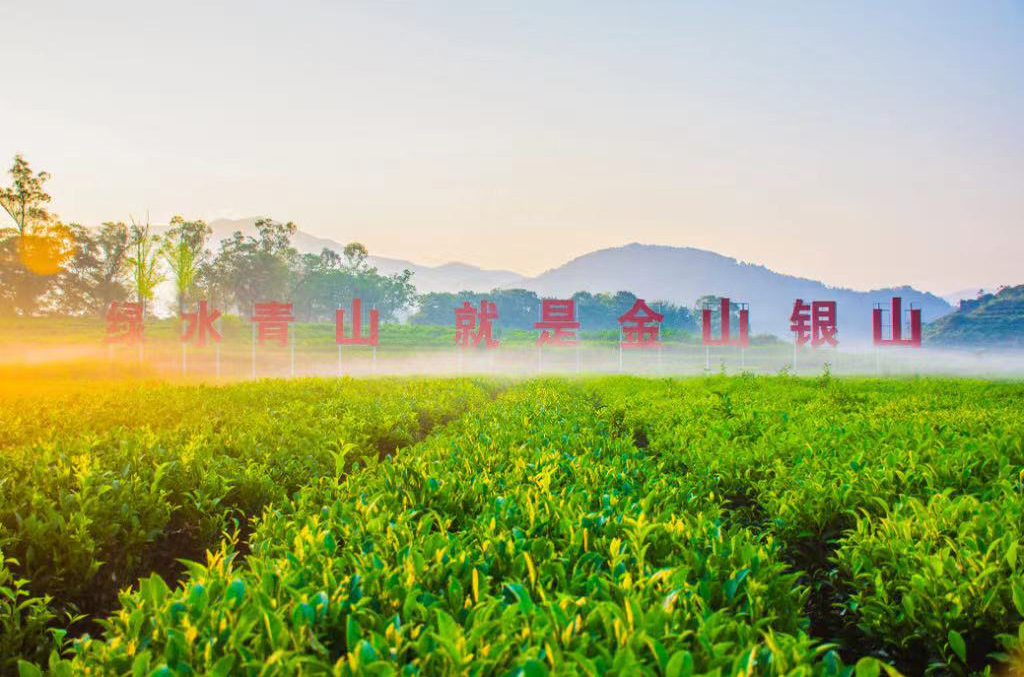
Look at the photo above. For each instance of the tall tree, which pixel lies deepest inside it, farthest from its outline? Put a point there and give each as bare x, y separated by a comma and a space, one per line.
249, 269
144, 263
184, 251
36, 248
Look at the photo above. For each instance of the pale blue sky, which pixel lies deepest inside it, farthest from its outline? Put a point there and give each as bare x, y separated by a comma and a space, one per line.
832, 140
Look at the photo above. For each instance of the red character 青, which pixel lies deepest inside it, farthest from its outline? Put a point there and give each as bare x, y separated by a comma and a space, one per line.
558, 315
474, 326
124, 323
199, 326
896, 338
640, 326
814, 322
357, 339
272, 320
725, 337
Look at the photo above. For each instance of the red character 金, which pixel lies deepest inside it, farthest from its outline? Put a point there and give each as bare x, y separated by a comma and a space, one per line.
897, 325
559, 315
815, 323
357, 339
468, 319
199, 326
124, 323
272, 319
640, 326
724, 338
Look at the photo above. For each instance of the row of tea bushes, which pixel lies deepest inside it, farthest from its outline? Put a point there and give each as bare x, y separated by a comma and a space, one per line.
902, 499
98, 491
527, 538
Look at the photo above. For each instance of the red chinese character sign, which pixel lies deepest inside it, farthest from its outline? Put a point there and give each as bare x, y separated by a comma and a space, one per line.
558, 322
473, 326
198, 327
124, 323
814, 323
725, 337
896, 333
640, 326
272, 320
357, 338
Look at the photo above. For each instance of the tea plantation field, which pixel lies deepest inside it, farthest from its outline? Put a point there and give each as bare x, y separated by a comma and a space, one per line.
595, 526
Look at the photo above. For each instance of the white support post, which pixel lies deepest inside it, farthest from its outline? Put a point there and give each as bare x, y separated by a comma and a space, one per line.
293, 350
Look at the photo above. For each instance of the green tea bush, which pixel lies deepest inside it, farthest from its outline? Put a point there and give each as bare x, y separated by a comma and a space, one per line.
99, 492
525, 539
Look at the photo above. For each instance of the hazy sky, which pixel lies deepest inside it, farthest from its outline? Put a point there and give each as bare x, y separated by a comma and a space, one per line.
864, 144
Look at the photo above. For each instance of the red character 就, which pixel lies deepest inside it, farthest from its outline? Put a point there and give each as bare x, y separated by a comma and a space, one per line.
474, 326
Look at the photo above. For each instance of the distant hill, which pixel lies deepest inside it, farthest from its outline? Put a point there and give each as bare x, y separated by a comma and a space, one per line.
994, 320
956, 297
680, 275
684, 274
446, 277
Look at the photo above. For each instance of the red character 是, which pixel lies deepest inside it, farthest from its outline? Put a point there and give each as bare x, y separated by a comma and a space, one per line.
815, 323
357, 339
560, 315
640, 326
124, 323
199, 326
272, 320
725, 338
468, 319
897, 325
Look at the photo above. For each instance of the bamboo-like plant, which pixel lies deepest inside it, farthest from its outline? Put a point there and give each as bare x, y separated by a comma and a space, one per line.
145, 262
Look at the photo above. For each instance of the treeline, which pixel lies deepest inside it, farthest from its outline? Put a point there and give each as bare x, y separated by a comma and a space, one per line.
520, 309
49, 267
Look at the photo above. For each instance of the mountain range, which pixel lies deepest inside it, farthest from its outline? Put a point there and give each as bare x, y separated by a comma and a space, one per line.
679, 275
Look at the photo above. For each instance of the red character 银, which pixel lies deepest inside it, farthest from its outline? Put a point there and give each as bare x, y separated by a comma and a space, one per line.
815, 323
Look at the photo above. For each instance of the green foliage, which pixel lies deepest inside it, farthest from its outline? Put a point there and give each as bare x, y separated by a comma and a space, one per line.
609, 526
520, 309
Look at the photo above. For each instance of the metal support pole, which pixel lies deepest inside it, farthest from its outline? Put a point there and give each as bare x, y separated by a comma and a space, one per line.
707, 358
341, 370
254, 350
217, 349
375, 359
293, 350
